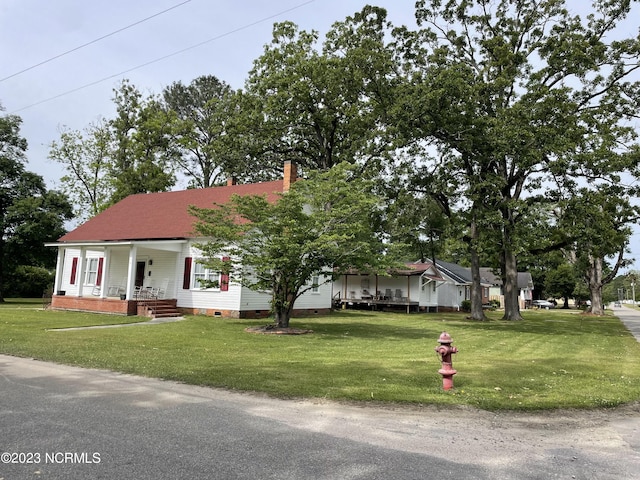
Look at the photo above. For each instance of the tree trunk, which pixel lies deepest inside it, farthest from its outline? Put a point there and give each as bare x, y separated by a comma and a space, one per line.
282, 318
477, 313
281, 302
595, 285
510, 283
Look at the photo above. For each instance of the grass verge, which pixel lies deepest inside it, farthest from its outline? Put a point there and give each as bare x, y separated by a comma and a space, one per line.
552, 359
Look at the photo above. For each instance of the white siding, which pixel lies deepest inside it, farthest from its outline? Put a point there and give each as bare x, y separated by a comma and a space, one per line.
66, 285
118, 266
205, 299
450, 295
428, 292
252, 300
160, 268
315, 300
69, 255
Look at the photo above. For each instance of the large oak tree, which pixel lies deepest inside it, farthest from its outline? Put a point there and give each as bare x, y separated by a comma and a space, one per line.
517, 92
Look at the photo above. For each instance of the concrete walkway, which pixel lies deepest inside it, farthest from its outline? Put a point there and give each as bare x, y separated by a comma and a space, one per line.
155, 321
631, 319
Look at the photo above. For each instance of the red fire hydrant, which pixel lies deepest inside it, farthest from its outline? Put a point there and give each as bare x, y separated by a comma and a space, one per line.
445, 350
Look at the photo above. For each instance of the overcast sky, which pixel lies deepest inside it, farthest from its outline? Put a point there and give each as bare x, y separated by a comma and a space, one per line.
76, 89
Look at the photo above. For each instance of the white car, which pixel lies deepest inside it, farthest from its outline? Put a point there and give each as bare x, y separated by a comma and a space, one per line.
543, 304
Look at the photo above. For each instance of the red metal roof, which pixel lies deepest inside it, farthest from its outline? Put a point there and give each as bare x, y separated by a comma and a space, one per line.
155, 216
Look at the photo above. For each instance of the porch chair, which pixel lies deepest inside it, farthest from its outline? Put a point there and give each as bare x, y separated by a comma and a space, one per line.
116, 290
161, 291
142, 293
387, 294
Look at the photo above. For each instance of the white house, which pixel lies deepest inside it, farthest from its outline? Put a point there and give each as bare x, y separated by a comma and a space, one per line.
414, 288
139, 257
421, 286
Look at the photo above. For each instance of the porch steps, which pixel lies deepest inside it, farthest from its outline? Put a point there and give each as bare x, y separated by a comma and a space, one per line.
162, 309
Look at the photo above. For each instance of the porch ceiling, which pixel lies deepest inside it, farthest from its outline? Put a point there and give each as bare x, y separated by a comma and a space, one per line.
164, 245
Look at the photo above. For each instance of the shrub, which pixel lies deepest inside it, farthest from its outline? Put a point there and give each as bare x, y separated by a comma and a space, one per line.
466, 305
28, 282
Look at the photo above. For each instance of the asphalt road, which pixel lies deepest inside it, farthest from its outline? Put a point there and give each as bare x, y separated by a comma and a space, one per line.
630, 318
60, 422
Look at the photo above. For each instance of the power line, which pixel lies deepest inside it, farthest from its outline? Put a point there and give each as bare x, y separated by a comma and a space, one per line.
92, 41
218, 37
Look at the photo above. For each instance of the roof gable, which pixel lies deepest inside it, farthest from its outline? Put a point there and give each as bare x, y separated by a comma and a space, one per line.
161, 216
457, 273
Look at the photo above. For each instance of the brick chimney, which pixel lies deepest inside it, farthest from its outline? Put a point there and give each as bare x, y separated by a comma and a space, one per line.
231, 181
290, 175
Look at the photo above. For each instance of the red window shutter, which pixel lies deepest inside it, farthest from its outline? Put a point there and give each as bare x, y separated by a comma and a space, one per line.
99, 276
74, 268
186, 280
224, 278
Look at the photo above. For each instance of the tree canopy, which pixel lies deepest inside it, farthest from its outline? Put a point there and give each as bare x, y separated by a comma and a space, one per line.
320, 105
30, 215
518, 94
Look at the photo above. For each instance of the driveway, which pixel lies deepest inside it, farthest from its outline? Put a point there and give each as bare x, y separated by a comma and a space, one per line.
61, 422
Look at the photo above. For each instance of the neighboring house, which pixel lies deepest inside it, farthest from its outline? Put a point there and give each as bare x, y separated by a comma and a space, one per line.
422, 286
142, 249
525, 287
410, 289
457, 286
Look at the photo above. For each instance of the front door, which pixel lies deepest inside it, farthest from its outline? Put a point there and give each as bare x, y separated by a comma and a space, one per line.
140, 267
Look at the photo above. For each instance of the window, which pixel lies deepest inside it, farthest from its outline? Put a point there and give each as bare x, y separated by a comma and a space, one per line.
315, 284
92, 271
204, 277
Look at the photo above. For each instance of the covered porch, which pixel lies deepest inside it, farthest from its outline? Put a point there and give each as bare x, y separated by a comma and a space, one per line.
126, 278
380, 303
411, 290
115, 306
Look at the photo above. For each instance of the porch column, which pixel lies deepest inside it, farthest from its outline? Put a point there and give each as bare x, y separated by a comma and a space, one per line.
104, 284
131, 272
80, 271
409, 294
57, 283
179, 267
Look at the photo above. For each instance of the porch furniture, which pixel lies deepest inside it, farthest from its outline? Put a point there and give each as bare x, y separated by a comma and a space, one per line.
116, 290
143, 293
161, 291
398, 296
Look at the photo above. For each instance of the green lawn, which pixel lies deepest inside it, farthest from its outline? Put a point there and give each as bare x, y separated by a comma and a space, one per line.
552, 359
